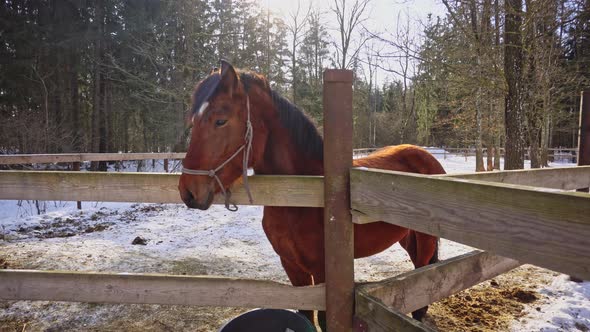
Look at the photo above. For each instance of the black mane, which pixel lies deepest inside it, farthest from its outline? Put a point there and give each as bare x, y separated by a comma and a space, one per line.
301, 129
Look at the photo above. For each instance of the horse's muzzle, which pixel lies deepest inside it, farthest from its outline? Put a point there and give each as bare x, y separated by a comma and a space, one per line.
192, 203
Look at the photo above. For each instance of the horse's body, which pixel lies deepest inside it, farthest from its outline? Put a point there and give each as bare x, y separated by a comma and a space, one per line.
285, 142
297, 233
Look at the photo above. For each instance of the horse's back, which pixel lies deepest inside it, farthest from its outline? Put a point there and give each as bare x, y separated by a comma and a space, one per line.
403, 158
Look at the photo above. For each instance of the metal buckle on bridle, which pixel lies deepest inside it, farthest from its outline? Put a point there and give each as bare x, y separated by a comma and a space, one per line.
247, 146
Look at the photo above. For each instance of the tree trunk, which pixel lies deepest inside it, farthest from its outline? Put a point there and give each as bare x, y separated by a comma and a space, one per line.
545, 141
294, 69
497, 157
478, 143
490, 157
75, 102
478, 95
534, 154
513, 61
98, 83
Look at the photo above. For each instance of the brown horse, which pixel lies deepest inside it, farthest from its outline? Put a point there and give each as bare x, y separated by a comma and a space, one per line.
239, 122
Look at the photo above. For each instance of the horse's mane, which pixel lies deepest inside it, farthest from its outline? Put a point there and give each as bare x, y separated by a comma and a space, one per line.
204, 90
301, 129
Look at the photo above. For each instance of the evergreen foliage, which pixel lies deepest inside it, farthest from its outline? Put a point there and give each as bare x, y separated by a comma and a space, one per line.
113, 75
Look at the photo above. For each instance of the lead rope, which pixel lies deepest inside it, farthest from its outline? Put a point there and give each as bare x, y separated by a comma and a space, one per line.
249, 136
247, 147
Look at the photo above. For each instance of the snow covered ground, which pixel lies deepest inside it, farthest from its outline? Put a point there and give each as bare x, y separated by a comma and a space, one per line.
217, 242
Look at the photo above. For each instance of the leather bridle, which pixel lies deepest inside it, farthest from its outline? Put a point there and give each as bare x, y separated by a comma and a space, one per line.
247, 148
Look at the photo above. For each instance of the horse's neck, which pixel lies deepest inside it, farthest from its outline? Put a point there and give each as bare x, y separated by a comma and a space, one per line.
281, 156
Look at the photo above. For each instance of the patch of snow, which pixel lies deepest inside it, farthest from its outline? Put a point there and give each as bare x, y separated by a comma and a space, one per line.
566, 307
454, 163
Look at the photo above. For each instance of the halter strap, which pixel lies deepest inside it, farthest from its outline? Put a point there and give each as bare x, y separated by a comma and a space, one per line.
247, 147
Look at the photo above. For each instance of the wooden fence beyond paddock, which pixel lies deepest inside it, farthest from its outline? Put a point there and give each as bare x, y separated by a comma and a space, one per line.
9, 159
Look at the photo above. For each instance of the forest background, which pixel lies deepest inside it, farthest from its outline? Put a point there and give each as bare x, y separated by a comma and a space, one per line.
115, 75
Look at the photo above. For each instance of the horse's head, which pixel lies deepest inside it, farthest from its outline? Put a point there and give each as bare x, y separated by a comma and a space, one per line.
220, 140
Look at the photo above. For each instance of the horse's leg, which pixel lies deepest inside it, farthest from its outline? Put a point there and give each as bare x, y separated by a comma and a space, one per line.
298, 278
423, 250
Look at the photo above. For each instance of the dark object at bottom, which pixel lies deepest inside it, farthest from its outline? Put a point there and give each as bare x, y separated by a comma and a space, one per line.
269, 320
139, 240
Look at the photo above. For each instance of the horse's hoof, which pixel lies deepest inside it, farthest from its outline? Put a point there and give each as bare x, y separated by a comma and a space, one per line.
419, 314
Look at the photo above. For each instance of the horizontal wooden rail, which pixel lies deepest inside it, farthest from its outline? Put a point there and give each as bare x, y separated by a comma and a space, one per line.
365, 150
156, 289
413, 290
10, 159
152, 188
382, 305
532, 225
14, 159
565, 178
562, 178
372, 315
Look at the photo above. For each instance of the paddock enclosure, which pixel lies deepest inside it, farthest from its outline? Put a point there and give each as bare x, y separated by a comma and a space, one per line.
540, 217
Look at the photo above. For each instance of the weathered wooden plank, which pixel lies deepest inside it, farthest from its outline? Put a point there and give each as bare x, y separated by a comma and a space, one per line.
156, 289
565, 178
413, 290
361, 218
374, 316
152, 188
532, 225
11, 159
338, 227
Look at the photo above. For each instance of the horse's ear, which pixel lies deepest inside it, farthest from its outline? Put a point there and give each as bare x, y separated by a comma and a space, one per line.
214, 70
229, 78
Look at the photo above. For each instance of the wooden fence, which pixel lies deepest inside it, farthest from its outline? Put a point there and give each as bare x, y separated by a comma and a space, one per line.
16, 159
8, 159
569, 154
451, 203
524, 216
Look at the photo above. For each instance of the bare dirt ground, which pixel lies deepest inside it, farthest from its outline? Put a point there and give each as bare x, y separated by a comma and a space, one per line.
494, 305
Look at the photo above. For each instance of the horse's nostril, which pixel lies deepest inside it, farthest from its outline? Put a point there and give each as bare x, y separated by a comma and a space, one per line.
192, 203
188, 199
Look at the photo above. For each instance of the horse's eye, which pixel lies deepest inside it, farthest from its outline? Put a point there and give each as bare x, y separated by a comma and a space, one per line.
219, 123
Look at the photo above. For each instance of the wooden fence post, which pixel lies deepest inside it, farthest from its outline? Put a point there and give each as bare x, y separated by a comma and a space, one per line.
338, 226
166, 165
76, 167
583, 143
584, 134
